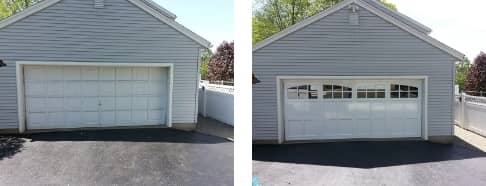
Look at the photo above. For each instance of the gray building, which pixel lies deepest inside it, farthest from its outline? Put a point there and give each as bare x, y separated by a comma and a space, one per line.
97, 63
357, 70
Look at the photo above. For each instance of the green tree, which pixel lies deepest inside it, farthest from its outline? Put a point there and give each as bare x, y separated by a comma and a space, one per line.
206, 56
272, 16
10, 7
461, 73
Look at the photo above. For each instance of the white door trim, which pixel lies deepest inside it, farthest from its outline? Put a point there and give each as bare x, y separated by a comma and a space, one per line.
21, 87
280, 80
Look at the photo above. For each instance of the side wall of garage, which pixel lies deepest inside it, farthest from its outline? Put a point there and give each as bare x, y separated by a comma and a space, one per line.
334, 47
74, 31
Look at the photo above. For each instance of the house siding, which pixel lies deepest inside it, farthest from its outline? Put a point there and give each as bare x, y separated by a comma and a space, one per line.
75, 31
334, 47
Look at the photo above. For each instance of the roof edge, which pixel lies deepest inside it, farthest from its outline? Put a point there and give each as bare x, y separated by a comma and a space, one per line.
27, 12
161, 9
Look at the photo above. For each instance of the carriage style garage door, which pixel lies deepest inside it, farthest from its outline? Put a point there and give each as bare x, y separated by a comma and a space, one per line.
352, 109
90, 96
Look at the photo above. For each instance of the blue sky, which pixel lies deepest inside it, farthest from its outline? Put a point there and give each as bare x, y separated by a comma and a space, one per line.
211, 19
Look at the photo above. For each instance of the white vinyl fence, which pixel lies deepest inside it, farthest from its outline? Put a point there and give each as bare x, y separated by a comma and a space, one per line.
216, 101
471, 113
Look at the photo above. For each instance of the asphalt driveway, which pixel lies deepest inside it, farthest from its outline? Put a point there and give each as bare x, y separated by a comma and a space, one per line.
369, 163
116, 157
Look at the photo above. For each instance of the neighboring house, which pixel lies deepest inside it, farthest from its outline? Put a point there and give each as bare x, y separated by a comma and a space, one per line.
357, 70
97, 63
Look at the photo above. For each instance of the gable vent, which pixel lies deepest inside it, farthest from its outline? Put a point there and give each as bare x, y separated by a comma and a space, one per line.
99, 3
353, 15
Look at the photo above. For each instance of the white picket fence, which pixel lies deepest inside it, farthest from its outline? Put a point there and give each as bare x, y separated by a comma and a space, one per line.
471, 113
216, 101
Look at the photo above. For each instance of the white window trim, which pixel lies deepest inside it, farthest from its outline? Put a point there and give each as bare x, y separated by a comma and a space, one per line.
21, 87
280, 87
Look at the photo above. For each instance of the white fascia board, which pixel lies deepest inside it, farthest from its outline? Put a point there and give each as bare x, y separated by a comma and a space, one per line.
370, 8
27, 12
200, 40
161, 9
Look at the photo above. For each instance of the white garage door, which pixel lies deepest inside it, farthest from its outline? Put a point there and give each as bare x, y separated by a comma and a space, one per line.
74, 96
352, 109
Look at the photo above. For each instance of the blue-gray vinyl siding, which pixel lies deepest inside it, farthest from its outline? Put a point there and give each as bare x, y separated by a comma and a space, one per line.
74, 31
334, 47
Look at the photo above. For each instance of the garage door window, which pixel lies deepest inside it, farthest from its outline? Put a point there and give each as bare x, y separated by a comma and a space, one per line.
336, 92
302, 92
377, 92
403, 91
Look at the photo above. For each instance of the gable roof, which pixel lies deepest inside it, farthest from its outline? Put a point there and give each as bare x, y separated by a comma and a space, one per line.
147, 5
387, 17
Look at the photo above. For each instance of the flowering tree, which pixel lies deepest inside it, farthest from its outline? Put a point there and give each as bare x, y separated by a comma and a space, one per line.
222, 63
476, 76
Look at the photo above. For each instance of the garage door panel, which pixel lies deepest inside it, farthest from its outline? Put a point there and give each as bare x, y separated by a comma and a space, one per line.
140, 88
89, 73
55, 104
123, 116
123, 103
157, 75
72, 118
374, 113
106, 73
73, 96
139, 116
34, 73
36, 104
108, 103
107, 117
362, 128
55, 88
123, 88
36, 119
55, 118
72, 73
89, 88
123, 73
155, 103
35, 88
139, 103
107, 88
55, 73
89, 104
155, 115
72, 104
140, 73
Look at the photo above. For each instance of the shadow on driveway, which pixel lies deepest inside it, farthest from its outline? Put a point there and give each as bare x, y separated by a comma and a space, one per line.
10, 146
128, 135
365, 154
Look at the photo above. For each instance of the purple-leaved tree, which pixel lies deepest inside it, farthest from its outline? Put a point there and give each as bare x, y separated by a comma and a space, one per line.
476, 76
221, 65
